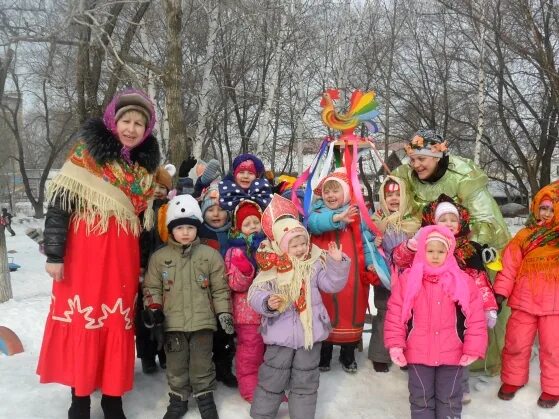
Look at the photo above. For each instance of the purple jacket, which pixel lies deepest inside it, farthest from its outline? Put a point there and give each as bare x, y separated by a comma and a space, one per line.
285, 328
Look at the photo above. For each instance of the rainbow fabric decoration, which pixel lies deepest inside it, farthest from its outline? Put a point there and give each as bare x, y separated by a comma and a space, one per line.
362, 110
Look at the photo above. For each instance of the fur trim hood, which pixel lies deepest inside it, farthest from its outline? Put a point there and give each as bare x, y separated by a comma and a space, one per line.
104, 146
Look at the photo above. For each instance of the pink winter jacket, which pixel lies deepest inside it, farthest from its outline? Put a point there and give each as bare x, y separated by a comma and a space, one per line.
403, 258
539, 296
432, 336
239, 285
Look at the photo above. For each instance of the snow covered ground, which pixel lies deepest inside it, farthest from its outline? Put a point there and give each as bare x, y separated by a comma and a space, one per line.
364, 395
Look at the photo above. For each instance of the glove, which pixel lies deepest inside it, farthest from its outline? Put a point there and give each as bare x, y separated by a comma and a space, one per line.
153, 320
186, 166
226, 321
466, 360
242, 263
397, 356
499, 298
491, 316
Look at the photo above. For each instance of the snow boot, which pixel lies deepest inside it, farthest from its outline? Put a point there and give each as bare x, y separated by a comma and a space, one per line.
325, 356
148, 365
507, 391
347, 358
207, 407
547, 401
177, 408
223, 373
112, 407
80, 407
380, 366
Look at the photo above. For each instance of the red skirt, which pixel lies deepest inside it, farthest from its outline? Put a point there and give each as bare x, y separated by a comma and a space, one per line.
89, 334
347, 308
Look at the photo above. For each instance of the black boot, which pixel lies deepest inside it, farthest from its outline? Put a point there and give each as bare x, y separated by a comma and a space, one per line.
206, 405
112, 407
177, 408
347, 358
380, 366
162, 359
80, 407
325, 356
223, 373
148, 365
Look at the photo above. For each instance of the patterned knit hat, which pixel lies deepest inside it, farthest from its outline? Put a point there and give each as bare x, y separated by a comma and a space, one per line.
210, 198
339, 176
427, 142
258, 165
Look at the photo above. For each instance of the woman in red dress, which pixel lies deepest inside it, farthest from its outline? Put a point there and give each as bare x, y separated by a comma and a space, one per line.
91, 242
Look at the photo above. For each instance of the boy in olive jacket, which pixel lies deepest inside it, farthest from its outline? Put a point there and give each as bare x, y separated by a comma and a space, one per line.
185, 291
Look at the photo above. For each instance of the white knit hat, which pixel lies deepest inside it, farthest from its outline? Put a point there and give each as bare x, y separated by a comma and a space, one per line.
183, 209
446, 208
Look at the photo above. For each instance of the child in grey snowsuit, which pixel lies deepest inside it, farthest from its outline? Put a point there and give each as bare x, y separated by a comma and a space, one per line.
294, 319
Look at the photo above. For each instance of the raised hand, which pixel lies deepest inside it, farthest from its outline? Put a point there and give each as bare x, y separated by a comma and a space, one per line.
334, 251
347, 216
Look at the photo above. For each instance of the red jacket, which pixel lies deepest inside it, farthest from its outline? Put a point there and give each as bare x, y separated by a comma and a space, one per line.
535, 294
239, 284
438, 333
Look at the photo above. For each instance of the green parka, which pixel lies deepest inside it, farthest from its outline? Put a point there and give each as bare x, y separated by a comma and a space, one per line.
467, 184
189, 283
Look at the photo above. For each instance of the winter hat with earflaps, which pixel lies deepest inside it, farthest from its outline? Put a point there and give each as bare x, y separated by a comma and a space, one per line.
340, 177
183, 209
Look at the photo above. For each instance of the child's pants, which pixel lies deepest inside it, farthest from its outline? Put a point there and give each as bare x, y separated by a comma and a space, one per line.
435, 392
296, 369
377, 351
250, 353
519, 339
190, 369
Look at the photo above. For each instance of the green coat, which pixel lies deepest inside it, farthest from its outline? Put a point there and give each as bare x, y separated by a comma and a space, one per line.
467, 184
190, 284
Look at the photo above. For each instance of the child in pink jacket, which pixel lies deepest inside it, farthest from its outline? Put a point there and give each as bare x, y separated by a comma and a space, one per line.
244, 238
530, 281
435, 324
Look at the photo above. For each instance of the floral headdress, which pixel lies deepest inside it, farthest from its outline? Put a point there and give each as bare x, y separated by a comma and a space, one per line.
427, 142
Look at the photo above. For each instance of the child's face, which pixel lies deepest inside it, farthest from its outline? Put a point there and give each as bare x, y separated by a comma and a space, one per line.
184, 234
251, 224
244, 178
160, 191
298, 247
450, 221
546, 213
215, 216
392, 200
435, 253
130, 128
333, 196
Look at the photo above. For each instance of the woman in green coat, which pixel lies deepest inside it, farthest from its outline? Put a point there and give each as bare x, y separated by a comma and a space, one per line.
432, 171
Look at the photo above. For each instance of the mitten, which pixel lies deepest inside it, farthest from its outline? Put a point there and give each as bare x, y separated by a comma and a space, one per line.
491, 316
226, 321
466, 360
153, 320
397, 356
242, 263
500, 298
412, 244
186, 166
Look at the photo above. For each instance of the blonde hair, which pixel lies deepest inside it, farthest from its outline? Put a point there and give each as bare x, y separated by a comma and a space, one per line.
331, 184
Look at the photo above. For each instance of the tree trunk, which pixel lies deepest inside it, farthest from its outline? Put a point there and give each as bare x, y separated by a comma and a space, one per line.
204, 98
5, 282
172, 81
